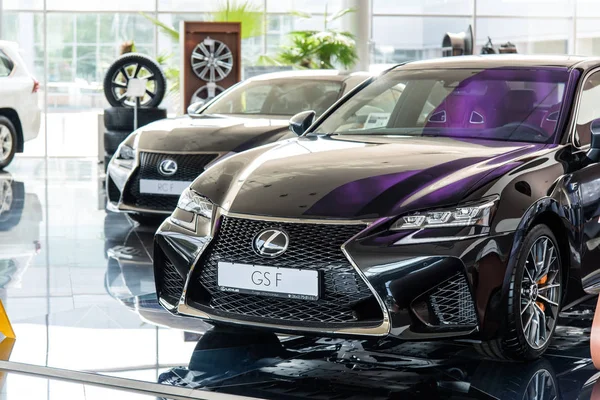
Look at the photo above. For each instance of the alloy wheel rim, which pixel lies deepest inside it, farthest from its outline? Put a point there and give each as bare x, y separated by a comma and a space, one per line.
6, 196
540, 292
123, 75
541, 386
6, 143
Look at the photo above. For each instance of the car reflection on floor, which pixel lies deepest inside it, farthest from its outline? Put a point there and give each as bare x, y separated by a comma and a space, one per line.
129, 276
20, 218
259, 365
263, 365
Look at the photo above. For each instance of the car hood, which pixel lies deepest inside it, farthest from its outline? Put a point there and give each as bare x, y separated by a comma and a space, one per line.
358, 177
210, 133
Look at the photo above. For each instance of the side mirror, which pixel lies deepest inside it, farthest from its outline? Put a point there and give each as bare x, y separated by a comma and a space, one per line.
594, 151
300, 122
194, 107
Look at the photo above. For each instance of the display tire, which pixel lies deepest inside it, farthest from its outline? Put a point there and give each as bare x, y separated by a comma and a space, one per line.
512, 344
7, 127
122, 119
130, 59
112, 140
107, 159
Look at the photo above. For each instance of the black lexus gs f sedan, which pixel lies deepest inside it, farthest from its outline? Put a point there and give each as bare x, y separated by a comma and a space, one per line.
157, 162
467, 207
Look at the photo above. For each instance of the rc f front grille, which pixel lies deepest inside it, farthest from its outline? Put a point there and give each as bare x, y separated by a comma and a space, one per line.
189, 167
345, 301
449, 304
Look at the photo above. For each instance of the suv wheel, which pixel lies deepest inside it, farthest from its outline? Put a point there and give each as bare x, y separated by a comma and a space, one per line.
8, 141
533, 300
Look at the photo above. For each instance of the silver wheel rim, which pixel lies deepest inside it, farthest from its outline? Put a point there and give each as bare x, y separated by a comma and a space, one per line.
540, 292
541, 386
123, 75
212, 60
6, 196
205, 93
6, 143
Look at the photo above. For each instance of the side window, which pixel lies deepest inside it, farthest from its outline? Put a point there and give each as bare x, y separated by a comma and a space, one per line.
254, 98
589, 109
6, 65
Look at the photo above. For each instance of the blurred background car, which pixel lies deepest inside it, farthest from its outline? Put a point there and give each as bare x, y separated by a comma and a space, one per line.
19, 109
157, 162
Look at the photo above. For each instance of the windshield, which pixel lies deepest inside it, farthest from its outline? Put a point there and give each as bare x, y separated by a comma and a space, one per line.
285, 97
512, 104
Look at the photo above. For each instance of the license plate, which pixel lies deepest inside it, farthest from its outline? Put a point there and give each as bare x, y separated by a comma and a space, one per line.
268, 281
153, 186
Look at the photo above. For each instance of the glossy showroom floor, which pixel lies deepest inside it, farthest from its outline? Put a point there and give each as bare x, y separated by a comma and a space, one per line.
78, 287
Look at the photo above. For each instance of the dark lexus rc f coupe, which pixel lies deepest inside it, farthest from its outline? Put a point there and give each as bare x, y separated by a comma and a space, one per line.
467, 207
156, 163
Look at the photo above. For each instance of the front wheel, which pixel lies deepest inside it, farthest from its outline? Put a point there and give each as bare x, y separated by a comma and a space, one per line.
534, 298
8, 142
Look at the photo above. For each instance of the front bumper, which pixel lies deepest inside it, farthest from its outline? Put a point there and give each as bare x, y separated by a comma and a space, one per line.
123, 183
423, 291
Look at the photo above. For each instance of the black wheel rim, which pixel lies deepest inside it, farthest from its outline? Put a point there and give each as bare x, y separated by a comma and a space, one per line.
541, 387
123, 75
212, 60
540, 292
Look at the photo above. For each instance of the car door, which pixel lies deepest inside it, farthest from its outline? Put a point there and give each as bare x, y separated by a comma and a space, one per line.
587, 182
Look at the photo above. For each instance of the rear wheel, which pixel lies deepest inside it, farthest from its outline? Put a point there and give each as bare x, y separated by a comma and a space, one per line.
8, 142
533, 300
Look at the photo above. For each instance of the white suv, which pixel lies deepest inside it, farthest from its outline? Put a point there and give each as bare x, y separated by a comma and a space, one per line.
19, 109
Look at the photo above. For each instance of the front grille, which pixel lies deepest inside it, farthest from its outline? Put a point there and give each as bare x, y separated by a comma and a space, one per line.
172, 283
189, 167
113, 192
345, 297
451, 302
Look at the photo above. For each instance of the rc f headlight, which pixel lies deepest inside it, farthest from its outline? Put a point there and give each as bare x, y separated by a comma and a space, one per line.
191, 201
477, 214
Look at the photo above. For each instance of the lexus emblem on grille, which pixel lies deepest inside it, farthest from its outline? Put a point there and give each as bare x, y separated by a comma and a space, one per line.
271, 243
167, 167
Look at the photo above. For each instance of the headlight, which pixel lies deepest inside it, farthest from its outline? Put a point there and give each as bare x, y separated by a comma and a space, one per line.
192, 202
126, 152
474, 214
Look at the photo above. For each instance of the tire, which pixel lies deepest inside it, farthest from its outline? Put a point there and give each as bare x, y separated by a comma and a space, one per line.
8, 142
514, 344
112, 140
12, 201
121, 119
134, 65
107, 159
147, 219
516, 381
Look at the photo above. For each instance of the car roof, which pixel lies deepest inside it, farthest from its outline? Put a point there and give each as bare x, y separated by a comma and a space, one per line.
503, 60
320, 74
5, 43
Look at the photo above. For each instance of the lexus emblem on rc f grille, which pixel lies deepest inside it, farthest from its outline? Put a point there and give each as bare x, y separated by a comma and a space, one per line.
271, 243
167, 167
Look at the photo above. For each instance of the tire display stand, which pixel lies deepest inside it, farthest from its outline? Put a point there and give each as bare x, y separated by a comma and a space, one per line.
129, 112
211, 59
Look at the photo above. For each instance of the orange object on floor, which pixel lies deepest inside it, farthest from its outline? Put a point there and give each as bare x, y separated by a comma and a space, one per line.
5, 325
595, 337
